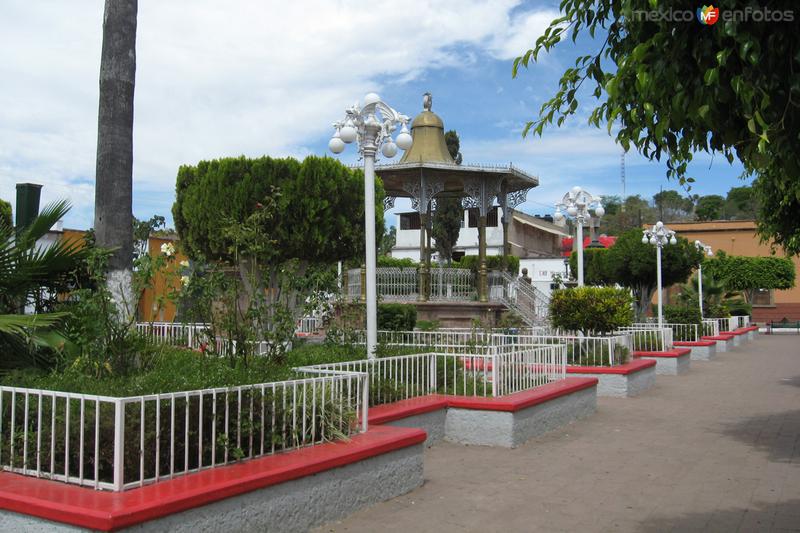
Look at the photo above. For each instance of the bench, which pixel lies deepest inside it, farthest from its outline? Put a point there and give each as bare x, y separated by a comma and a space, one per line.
783, 324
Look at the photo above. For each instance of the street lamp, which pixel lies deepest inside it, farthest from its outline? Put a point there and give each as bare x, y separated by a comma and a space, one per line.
659, 236
578, 204
371, 126
707, 250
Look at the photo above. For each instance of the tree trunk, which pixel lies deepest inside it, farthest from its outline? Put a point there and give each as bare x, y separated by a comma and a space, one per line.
113, 214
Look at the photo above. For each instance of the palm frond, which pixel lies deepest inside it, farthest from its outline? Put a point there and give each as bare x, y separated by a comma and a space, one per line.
24, 324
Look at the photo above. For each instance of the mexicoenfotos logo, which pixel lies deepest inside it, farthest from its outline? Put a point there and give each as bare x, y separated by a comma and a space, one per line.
708, 15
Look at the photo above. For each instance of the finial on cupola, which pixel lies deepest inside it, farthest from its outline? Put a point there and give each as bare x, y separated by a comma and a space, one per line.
427, 101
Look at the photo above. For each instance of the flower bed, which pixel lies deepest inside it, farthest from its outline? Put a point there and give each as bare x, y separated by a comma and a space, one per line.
121, 442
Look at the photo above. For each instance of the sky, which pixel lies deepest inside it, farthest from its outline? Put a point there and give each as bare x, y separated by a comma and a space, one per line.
217, 79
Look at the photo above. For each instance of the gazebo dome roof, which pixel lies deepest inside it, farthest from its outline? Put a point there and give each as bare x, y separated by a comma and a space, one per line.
428, 118
429, 146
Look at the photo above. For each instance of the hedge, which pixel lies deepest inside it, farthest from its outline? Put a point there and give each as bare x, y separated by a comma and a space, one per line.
598, 310
397, 317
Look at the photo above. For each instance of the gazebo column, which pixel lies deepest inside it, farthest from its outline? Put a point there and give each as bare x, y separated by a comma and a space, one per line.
483, 285
428, 233
424, 272
422, 193
480, 194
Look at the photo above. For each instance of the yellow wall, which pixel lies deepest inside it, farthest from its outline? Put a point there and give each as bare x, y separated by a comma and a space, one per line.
735, 237
150, 309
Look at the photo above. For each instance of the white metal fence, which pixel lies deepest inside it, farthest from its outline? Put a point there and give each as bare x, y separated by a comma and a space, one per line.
120, 443
397, 283
493, 373
739, 322
680, 332
581, 350
307, 325
710, 327
448, 284
649, 338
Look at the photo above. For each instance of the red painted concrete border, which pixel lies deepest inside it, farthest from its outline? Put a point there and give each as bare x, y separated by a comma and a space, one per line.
524, 399
675, 352
636, 365
108, 511
389, 412
695, 343
513, 402
719, 337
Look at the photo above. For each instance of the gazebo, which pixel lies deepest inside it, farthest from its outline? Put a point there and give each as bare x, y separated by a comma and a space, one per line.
427, 171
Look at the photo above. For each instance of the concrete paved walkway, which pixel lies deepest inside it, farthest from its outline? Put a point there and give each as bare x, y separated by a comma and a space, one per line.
714, 450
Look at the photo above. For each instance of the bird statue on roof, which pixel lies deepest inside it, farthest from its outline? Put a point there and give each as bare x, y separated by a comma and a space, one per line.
427, 101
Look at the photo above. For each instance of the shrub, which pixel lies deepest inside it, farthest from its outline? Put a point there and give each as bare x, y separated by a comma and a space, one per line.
398, 262
397, 317
598, 310
493, 262
739, 308
717, 311
427, 325
678, 314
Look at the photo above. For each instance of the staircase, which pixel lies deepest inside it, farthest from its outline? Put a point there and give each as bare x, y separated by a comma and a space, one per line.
531, 304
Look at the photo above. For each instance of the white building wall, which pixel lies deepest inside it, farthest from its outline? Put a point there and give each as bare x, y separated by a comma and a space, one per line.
541, 271
407, 240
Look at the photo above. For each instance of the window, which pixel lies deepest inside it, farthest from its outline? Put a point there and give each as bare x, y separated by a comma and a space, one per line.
457, 255
409, 221
762, 297
491, 218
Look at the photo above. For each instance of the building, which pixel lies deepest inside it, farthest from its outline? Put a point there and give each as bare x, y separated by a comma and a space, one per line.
528, 236
738, 237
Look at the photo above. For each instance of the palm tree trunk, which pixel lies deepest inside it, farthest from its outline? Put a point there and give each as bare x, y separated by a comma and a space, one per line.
113, 217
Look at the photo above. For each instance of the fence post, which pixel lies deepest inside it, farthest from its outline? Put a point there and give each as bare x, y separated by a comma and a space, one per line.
365, 402
495, 373
432, 359
119, 444
363, 283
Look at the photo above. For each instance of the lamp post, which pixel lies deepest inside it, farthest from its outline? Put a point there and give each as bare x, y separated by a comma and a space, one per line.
659, 236
578, 204
707, 250
371, 126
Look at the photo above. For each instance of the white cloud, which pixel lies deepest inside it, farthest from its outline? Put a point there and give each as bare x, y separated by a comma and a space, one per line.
218, 79
522, 31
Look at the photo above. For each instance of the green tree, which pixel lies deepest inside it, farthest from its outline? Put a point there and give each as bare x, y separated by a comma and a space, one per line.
632, 264
628, 214
671, 206
142, 229
319, 207
595, 269
449, 214
748, 274
741, 203
453, 145
388, 241
710, 207
272, 218
674, 89
446, 227
113, 214
5, 213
